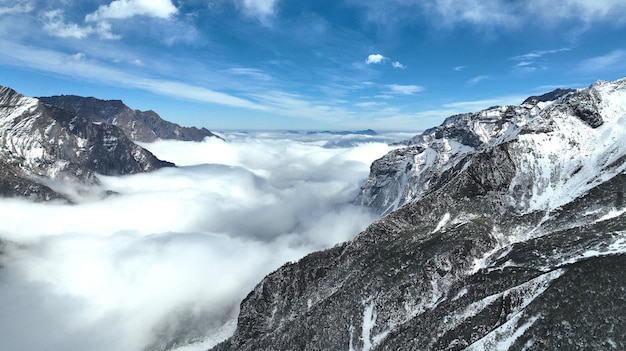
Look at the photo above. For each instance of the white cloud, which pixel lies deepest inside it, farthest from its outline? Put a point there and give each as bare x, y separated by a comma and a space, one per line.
176, 250
262, 10
119, 9
103, 29
79, 56
397, 64
405, 89
380, 59
17, 7
55, 24
374, 59
459, 68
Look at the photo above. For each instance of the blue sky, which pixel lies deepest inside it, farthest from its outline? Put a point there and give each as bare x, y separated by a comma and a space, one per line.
284, 64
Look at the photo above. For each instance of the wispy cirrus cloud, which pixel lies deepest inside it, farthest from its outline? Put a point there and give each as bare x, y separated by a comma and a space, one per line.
262, 99
613, 61
533, 55
20, 6
532, 61
56, 62
405, 89
491, 14
254, 73
476, 80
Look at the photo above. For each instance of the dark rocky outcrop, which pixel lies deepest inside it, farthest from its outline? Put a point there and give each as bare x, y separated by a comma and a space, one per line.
551, 96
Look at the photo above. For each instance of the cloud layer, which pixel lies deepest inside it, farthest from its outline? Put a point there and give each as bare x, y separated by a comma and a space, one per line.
170, 257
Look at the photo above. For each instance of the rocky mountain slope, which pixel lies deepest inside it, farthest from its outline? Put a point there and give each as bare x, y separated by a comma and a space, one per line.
506, 230
41, 144
142, 126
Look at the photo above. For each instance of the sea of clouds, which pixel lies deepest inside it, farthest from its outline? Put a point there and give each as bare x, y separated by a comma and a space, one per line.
166, 260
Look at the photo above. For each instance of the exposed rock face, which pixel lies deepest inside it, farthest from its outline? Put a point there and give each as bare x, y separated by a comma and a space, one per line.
506, 231
40, 142
143, 126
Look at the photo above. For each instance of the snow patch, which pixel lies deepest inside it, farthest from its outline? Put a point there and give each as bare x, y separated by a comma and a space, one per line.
369, 321
444, 220
612, 214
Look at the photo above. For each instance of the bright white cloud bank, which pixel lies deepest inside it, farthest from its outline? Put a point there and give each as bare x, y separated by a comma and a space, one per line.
128, 8
169, 259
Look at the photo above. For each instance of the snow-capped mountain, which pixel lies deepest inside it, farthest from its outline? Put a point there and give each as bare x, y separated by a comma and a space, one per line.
41, 144
142, 126
407, 174
506, 230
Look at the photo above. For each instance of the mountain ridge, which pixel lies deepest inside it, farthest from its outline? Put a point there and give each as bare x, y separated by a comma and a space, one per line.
504, 230
141, 126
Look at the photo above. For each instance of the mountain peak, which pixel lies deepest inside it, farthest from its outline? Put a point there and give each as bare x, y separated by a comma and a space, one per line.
550, 96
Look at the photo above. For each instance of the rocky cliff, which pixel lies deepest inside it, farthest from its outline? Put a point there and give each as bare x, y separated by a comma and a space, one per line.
39, 143
142, 126
506, 230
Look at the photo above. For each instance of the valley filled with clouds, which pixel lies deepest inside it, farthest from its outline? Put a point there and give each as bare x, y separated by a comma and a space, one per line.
168, 256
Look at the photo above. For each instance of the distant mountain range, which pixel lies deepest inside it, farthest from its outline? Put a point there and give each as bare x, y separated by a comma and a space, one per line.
142, 126
503, 229
344, 132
